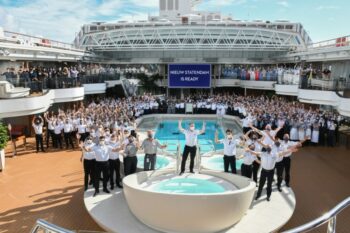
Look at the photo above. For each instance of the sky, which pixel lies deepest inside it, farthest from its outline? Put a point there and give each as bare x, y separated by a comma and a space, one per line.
62, 19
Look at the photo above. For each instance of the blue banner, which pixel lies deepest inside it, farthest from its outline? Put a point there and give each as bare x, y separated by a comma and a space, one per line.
189, 76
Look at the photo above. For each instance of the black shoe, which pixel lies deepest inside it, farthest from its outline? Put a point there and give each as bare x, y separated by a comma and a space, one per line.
181, 173
90, 183
279, 189
112, 187
257, 197
119, 186
268, 199
96, 192
106, 191
192, 172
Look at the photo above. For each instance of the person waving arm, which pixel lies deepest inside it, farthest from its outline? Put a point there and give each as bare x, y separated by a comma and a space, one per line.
203, 128
180, 127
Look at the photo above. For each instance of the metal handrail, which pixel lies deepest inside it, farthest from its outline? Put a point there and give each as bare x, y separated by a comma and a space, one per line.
330, 217
178, 157
49, 227
199, 158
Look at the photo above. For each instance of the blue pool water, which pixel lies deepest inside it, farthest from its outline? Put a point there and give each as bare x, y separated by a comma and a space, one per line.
161, 162
167, 132
217, 163
188, 186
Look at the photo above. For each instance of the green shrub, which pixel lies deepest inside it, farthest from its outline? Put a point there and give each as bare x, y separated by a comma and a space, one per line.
3, 136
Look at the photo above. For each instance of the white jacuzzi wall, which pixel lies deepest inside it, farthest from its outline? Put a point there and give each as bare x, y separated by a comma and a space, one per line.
188, 213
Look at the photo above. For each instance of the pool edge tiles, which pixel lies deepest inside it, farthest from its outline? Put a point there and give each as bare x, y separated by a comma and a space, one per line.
188, 184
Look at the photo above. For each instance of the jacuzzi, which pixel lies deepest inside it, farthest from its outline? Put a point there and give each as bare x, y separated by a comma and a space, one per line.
207, 202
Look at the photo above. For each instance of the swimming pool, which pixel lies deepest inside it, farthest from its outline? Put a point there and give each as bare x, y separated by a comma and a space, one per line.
168, 132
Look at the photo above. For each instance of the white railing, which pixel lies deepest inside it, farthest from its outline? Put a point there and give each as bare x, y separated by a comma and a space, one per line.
178, 159
330, 218
338, 42
38, 41
46, 227
199, 158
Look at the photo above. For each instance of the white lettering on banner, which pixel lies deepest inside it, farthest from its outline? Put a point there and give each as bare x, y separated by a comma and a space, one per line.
189, 79
189, 72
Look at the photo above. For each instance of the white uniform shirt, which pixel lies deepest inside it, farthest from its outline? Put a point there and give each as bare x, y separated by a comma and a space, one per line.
246, 121
248, 158
288, 145
58, 129
267, 139
89, 155
38, 128
102, 153
229, 146
268, 161
50, 125
67, 128
276, 150
81, 129
112, 154
191, 137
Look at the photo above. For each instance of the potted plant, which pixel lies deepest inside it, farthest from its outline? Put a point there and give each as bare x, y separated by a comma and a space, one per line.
3, 142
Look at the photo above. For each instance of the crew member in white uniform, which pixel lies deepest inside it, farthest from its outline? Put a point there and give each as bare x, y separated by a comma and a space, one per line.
287, 144
102, 152
38, 123
268, 161
229, 150
49, 132
114, 162
248, 159
58, 133
191, 136
88, 159
67, 132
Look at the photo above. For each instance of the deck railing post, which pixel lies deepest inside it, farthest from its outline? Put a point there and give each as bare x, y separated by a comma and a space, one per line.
332, 224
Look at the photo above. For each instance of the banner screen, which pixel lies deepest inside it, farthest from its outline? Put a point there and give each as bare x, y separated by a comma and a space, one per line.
189, 76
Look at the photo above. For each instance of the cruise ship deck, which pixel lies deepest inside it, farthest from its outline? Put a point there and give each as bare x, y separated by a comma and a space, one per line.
50, 187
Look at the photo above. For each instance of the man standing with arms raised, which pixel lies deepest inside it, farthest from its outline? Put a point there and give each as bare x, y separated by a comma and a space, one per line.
191, 136
150, 145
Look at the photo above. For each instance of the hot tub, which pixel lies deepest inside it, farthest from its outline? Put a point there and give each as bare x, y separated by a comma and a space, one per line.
206, 202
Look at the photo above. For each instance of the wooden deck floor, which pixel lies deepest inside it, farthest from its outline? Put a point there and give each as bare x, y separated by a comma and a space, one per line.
49, 186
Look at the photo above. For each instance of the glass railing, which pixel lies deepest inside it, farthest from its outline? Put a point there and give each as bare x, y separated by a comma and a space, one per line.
335, 84
38, 85
38, 41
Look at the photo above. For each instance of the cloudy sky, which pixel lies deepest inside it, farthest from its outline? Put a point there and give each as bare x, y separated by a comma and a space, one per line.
62, 19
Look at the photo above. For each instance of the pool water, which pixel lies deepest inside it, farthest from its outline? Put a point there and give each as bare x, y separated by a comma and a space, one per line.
217, 163
188, 186
161, 162
168, 132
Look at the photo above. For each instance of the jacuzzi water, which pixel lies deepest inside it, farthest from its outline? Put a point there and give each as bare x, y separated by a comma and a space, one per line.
216, 163
161, 162
189, 184
167, 132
